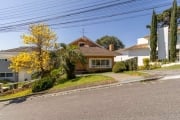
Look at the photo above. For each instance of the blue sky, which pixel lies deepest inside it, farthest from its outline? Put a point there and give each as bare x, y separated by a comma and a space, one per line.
126, 27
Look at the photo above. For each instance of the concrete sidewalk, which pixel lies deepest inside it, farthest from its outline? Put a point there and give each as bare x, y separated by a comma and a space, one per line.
125, 78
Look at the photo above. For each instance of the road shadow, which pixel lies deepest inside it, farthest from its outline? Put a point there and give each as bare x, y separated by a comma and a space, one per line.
16, 101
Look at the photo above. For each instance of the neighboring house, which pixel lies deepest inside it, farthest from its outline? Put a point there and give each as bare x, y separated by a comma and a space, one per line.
8, 74
97, 57
164, 43
142, 48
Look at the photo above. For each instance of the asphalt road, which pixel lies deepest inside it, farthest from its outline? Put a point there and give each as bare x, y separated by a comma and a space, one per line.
158, 100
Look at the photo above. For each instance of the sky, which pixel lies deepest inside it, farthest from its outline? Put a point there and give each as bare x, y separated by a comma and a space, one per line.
127, 21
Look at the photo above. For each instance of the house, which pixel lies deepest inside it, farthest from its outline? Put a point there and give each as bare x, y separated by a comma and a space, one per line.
164, 43
97, 57
8, 74
142, 49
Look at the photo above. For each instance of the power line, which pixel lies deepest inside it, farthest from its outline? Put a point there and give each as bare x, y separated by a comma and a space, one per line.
19, 26
30, 11
66, 15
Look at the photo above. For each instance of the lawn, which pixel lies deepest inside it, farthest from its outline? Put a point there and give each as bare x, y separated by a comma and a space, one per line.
62, 85
16, 95
83, 81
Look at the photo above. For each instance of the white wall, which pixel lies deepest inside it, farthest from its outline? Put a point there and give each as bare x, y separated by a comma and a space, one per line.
140, 53
24, 75
163, 44
121, 58
142, 41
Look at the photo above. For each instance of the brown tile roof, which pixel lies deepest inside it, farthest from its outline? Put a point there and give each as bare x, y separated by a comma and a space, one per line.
119, 51
20, 49
140, 46
86, 39
96, 51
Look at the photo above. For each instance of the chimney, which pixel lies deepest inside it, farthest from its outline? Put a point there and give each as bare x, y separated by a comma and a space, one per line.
111, 47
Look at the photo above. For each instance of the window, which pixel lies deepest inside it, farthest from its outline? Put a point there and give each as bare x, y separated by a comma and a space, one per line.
81, 44
6, 75
2, 74
3, 59
100, 63
9, 74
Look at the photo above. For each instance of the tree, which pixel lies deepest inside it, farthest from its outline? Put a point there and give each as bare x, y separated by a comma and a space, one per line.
173, 32
43, 39
164, 17
107, 40
69, 56
153, 37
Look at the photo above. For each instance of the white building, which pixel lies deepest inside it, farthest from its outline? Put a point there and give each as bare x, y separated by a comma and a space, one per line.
142, 48
8, 74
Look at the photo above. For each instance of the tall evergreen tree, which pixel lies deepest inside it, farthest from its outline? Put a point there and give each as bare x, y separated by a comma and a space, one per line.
173, 32
153, 37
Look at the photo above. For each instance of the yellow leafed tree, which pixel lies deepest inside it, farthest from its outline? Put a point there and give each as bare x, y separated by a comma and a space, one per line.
43, 39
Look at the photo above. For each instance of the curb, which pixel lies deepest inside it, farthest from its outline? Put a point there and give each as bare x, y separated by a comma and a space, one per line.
142, 80
151, 79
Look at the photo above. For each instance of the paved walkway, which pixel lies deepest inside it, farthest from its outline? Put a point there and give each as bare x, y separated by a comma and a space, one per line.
153, 75
122, 78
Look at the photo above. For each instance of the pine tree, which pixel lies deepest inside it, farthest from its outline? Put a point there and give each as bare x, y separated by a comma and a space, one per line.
153, 37
173, 32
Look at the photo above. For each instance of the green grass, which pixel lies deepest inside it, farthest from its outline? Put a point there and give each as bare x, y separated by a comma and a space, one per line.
135, 73
16, 95
83, 81
173, 67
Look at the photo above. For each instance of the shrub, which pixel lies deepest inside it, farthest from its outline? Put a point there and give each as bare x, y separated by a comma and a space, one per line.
146, 62
5, 81
165, 61
155, 66
35, 75
42, 84
131, 64
119, 67
56, 73
140, 67
27, 85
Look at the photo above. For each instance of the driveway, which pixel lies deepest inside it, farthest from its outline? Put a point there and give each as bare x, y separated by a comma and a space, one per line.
163, 72
121, 77
157, 100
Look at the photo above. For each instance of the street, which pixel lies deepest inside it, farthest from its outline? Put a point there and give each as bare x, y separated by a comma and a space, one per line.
155, 100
